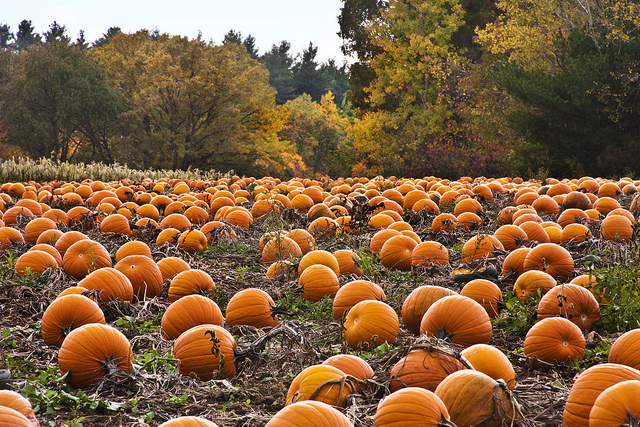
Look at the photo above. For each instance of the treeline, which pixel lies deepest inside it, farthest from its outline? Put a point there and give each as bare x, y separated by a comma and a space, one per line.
438, 87
151, 100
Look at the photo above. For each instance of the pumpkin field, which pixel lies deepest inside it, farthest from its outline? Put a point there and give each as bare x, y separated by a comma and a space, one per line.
376, 301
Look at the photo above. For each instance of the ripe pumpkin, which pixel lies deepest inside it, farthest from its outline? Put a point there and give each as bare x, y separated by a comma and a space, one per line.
134, 247
534, 231
348, 261
617, 228
444, 222
169, 235
192, 241
35, 262
396, 252
625, 350
116, 224
486, 293
319, 257
83, 257
531, 282
91, 351
318, 281
423, 368
206, 351
279, 248
36, 227
412, 407
429, 252
67, 313
253, 307
299, 413
370, 323
550, 258
491, 361
473, 398
170, 266
575, 233
187, 312
304, 239
177, 221
554, 340
308, 385
511, 236
480, 246
67, 239
50, 237
616, 406
144, 275
588, 386
12, 418
572, 302
13, 400
378, 239
352, 293
188, 422
418, 302
352, 365
110, 283
458, 319
189, 282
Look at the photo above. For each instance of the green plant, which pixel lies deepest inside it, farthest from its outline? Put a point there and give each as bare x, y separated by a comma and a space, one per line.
132, 326
297, 305
619, 289
518, 316
228, 247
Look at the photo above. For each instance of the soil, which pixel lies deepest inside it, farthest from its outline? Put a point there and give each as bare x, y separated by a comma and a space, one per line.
268, 360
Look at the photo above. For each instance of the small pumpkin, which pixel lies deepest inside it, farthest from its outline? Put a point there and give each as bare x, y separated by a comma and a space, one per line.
491, 361
352, 365
170, 266
320, 257
323, 383
352, 293
318, 281
111, 284
83, 257
144, 275
423, 368
348, 261
192, 281
65, 314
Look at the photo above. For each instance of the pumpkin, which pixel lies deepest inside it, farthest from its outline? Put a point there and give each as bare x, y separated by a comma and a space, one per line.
196, 215
474, 398
319, 257
36, 227
576, 200
429, 252
486, 293
253, 307
189, 282
505, 216
177, 221
284, 269
116, 224
418, 302
412, 406
572, 302
554, 340
617, 405
206, 351
444, 222
604, 205
323, 383
511, 236
279, 248
534, 231
11, 418
67, 239
491, 361
617, 228
545, 205
192, 241
188, 422
531, 282
144, 275
67, 313
170, 266
396, 252
348, 261
134, 247
318, 281
575, 233
304, 239
427, 206
13, 400
352, 293
111, 284
11, 215
239, 217
423, 368
380, 221
50, 237
83, 257
467, 205
187, 312
35, 262
625, 350
370, 323
588, 386
480, 246
169, 235
550, 258
91, 351
458, 319
299, 413
352, 365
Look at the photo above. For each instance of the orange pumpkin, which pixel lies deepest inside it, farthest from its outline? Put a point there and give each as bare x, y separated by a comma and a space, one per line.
189, 282
352, 293
67, 313
480, 246
83, 257
617, 405
307, 386
418, 302
486, 293
170, 266
572, 302
253, 307
134, 247
299, 413
144, 275
423, 368
370, 323
491, 361
192, 241
396, 252
550, 258
554, 340
206, 351
187, 312
318, 281
35, 262
110, 283
412, 407
458, 319
625, 350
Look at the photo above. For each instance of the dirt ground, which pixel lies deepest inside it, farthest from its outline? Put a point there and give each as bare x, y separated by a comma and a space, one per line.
267, 360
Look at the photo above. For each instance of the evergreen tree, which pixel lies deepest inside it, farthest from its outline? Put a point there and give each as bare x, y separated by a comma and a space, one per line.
106, 37
279, 62
336, 78
25, 36
5, 36
56, 33
307, 76
81, 42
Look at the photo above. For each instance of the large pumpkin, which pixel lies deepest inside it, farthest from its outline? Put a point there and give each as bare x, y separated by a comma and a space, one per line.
206, 351
491, 361
110, 283
299, 413
318, 281
617, 406
171, 266
554, 340
550, 258
458, 319
83, 257
11, 418
418, 302
192, 281
91, 351
572, 302
187, 312
396, 252
35, 262
480, 246
13, 400
486, 293
625, 350
429, 252
423, 368
531, 282
65, 314
412, 407
320, 382
144, 275
352, 293
370, 323
253, 307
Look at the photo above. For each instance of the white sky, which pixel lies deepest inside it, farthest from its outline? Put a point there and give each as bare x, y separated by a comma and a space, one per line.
269, 21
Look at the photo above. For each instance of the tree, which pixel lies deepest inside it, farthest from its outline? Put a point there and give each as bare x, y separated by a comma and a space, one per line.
279, 62
307, 77
106, 37
336, 79
81, 42
56, 33
5, 36
25, 36
191, 104
249, 42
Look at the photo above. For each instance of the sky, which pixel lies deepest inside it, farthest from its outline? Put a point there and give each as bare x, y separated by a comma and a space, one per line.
268, 21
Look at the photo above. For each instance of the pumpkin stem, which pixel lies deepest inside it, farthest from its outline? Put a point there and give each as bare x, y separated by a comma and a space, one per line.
631, 420
443, 335
445, 422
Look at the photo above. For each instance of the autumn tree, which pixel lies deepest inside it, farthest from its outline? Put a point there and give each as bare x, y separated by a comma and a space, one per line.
191, 104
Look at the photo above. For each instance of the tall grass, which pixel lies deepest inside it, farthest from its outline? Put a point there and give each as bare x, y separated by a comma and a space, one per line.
25, 169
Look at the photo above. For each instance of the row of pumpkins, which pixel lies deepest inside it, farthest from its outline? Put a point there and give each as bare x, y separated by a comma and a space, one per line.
369, 319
